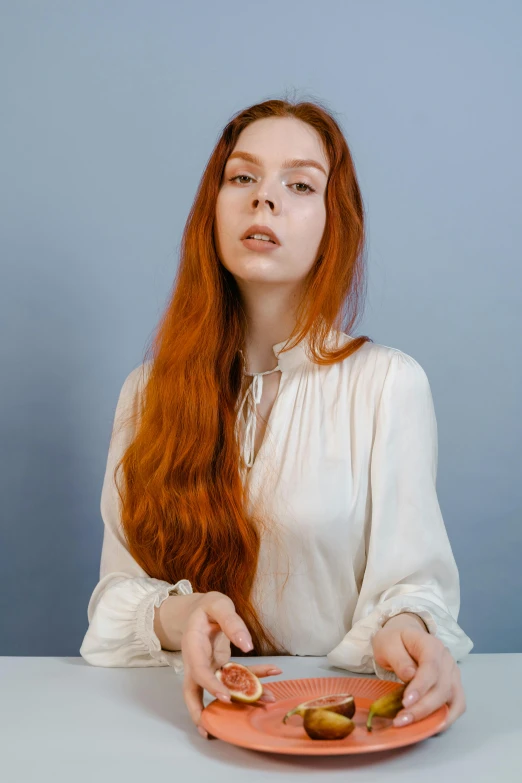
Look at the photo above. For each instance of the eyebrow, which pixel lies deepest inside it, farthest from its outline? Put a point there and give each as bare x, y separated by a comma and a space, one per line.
294, 163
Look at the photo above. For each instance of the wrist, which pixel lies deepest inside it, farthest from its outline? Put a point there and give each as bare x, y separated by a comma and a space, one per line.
406, 620
171, 617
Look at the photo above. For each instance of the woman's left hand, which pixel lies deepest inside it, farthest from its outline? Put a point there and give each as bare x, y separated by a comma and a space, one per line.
425, 663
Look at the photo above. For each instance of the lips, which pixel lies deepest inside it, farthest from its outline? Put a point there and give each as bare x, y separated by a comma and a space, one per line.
258, 229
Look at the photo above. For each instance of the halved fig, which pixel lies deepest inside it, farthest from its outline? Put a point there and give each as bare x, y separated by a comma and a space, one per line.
341, 703
243, 685
323, 724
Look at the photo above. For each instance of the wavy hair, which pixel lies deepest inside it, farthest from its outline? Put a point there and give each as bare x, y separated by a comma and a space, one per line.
183, 502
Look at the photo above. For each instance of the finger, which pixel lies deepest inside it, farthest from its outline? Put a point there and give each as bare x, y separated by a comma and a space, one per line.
435, 698
267, 696
458, 704
193, 697
390, 652
435, 662
204, 733
264, 669
197, 655
221, 609
221, 650
440, 693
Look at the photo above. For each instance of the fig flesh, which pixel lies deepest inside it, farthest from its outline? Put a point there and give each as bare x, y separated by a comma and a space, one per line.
242, 684
340, 703
387, 706
323, 724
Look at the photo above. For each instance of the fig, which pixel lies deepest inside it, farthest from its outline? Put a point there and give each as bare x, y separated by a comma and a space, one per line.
387, 706
323, 724
341, 703
243, 685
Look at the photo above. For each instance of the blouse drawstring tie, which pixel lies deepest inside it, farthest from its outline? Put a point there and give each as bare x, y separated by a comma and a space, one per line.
255, 392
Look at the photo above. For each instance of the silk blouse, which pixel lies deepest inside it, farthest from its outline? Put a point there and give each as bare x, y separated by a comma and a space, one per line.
346, 473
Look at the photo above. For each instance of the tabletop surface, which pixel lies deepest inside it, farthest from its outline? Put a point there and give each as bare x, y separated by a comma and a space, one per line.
64, 720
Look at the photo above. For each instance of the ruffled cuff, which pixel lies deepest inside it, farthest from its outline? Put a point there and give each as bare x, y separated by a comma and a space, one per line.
145, 623
355, 651
121, 632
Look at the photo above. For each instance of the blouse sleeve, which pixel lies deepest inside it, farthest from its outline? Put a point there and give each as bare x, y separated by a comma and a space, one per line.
121, 608
410, 565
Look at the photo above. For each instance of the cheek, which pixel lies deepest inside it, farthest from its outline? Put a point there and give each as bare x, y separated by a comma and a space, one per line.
227, 211
308, 231
227, 231
222, 221
220, 210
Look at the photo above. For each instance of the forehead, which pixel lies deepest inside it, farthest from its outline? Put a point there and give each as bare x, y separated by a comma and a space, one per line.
290, 163
284, 142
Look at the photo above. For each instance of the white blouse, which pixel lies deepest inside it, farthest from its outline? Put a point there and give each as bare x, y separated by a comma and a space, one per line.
346, 473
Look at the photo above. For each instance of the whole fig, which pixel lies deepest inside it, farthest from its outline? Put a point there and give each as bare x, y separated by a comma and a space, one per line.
387, 706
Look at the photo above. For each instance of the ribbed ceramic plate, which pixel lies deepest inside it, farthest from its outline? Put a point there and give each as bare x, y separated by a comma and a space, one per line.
260, 726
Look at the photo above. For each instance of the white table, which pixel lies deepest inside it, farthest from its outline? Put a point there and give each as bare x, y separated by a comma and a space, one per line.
63, 720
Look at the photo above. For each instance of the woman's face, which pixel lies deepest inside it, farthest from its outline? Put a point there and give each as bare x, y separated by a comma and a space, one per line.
291, 201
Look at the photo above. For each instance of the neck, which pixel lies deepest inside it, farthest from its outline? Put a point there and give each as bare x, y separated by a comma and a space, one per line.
270, 313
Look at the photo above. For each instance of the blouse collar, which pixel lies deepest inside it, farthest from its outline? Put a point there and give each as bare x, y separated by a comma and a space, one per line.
289, 360
299, 354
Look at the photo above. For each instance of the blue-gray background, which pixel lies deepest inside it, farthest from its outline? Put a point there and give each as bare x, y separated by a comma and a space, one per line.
109, 113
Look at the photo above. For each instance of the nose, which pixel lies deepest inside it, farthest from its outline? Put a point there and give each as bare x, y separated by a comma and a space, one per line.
271, 203
262, 197
268, 201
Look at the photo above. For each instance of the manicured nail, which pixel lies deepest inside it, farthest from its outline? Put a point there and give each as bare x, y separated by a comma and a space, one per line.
410, 698
243, 641
403, 720
224, 697
203, 733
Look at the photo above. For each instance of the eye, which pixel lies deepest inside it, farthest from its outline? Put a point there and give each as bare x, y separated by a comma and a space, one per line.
239, 176
246, 176
310, 188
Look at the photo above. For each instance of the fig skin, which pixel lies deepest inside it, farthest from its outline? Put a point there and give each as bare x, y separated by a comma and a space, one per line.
387, 706
347, 709
323, 724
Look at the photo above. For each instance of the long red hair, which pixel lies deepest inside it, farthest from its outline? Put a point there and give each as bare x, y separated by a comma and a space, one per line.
183, 501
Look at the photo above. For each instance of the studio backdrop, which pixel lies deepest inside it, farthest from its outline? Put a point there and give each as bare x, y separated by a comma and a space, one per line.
109, 113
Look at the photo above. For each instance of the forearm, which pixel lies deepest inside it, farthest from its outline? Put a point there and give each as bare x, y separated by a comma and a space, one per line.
405, 619
170, 619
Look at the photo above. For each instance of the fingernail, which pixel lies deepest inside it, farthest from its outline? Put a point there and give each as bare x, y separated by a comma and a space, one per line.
402, 720
243, 641
270, 697
410, 698
203, 733
224, 697
409, 673
275, 671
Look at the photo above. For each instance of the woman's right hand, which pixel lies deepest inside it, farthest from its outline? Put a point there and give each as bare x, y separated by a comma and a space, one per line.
205, 645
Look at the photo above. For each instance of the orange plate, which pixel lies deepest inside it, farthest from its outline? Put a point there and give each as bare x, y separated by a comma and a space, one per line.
260, 726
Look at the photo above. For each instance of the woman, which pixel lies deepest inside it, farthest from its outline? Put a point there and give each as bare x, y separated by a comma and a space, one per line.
277, 490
